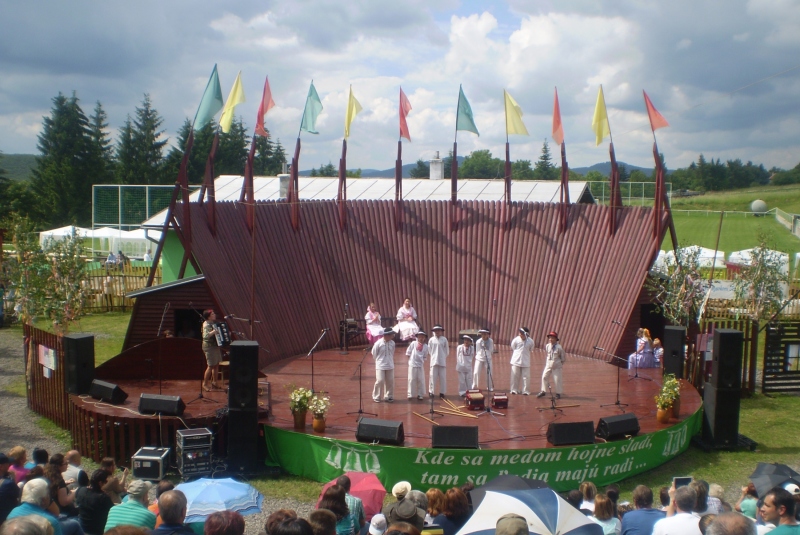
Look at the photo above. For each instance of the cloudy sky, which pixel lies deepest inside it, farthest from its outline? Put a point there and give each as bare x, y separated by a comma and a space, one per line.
725, 73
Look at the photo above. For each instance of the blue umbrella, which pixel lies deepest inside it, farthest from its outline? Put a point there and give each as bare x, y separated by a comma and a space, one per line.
206, 496
547, 513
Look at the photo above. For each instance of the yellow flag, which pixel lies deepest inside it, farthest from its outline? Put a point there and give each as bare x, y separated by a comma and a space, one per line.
514, 124
235, 98
600, 119
353, 109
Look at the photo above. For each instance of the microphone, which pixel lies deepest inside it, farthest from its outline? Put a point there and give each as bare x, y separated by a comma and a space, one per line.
617, 322
599, 348
326, 329
229, 316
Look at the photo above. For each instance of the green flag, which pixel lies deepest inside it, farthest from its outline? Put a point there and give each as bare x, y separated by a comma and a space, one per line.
465, 120
211, 102
312, 111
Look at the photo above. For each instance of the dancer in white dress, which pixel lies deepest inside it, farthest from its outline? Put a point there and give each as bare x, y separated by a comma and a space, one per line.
407, 321
374, 328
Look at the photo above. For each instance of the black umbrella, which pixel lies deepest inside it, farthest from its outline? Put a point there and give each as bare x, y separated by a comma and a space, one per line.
767, 476
773, 468
505, 482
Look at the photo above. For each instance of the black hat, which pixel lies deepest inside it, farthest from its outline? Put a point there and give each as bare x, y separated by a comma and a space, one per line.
387, 331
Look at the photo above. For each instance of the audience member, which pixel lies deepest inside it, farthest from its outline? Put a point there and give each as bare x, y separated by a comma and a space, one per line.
334, 501
40, 457
290, 526
748, 502
133, 512
706, 504
716, 492
354, 504
74, 469
404, 510
402, 528
172, 508
127, 530
35, 500
456, 512
511, 524
612, 491
163, 486
663, 498
18, 457
589, 491
435, 503
94, 504
731, 524
419, 498
574, 498
322, 521
9, 491
778, 508
224, 523
27, 525
276, 518
605, 515
641, 520
377, 525
623, 509
680, 520
62, 497
705, 521
114, 487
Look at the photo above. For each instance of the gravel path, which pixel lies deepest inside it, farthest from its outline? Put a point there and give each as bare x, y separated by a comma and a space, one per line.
17, 427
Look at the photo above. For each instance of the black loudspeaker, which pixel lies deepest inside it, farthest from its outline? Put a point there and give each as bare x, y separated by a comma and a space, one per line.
166, 405
380, 431
107, 392
243, 439
721, 415
617, 426
243, 385
674, 346
570, 433
726, 369
454, 436
78, 363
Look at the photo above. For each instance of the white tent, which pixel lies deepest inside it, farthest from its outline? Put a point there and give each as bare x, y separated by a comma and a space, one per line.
61, 233
706, 258
744, 258
135, 243
664, 259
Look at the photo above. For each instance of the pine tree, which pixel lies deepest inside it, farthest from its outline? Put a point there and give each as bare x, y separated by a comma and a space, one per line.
123, 168
203, 139
422, 170
147, 165
101, 147
232, 150
544, 168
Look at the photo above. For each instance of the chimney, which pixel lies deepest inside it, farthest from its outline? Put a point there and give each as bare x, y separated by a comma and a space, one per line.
437, 168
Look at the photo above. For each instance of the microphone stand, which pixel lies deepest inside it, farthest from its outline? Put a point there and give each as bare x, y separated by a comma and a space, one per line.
553, 407
636, 371
163, 315
311, 354
617, 402
200, 396
361, 410
489, 380
343, 329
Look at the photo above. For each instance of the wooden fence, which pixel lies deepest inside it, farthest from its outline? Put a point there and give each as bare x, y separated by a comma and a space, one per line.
781, 370
107, 287
45, 370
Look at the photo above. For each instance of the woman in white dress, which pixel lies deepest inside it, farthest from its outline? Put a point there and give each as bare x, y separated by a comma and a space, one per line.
374, 328
643, 356
407, 321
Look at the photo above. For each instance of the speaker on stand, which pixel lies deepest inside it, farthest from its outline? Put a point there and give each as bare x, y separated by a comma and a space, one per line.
674, 346
78, 363
243, 407
722, 394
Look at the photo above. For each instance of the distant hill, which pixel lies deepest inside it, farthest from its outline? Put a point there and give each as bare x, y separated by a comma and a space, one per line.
605, 168
18, 166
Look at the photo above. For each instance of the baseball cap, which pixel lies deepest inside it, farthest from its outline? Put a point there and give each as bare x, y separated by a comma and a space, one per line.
378, 525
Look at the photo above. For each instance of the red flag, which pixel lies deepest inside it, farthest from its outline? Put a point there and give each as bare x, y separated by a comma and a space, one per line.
656, 119
558, 128
405, 107
266, 104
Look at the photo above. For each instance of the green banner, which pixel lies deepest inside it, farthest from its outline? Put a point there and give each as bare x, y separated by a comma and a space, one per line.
323, 459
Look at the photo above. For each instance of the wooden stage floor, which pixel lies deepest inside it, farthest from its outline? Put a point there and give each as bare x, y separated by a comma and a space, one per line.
588, 384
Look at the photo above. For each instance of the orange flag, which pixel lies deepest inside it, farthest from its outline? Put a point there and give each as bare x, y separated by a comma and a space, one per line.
405, 107
558, 127
266, 104
656, 119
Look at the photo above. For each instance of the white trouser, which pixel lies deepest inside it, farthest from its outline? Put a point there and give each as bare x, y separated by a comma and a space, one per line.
384, 383
438, 375
480, 372
464, 379
520, 374
416, 382
555, 373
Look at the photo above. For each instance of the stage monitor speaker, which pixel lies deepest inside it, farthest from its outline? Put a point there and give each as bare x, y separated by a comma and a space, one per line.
455, 436
107, 392
721, 415
165, 405
726, 369
243, 384
78, 363
617, 426
559, 434
674, 346
242, 439
380, 431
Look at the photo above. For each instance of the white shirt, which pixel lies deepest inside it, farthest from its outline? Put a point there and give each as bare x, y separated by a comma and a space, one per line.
416, 357
439, 349
680, 524
555, 355
383, 353
464, 357
521, 351
480, 346
147, 257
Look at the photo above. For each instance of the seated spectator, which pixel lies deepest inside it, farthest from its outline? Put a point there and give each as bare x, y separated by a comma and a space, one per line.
404, 510
27, 525
575, 499
641, 520
512, 524
377, 525
778, 509
94, 504
354, 504
35, 500
40, 457
589, 491
420, 500
623, 509
747, 504
604, 514
134, 511
18, 457
127, 530
322, 521
172, 508
290, 526
679, 520
456, 512
716, 492
705, 504
435, 504
62, 497
401, 528
730, 523
114, 487
74, 469
333, 500
612, 491
705, 522
9, 491
163, 486
663, 498
277, 517
224, 523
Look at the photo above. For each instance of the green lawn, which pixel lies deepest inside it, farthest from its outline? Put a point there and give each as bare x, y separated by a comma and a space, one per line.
787, 198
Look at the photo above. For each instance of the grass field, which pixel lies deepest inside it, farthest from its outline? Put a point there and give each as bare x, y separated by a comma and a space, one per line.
787, 198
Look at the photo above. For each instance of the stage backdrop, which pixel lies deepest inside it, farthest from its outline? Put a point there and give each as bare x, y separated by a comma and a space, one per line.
562, 468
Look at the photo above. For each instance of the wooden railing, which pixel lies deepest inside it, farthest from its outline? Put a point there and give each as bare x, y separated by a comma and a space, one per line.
45, 375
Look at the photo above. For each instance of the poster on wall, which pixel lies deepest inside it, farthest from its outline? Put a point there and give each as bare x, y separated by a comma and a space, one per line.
47, 358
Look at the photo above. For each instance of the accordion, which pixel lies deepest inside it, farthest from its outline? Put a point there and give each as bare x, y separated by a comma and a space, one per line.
500, 400
474, 400
223, 334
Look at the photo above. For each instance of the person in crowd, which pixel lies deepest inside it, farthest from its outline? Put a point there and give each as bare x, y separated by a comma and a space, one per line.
511, 524
641, 520
333, 500
402, 528
35, 501
663, 498
716, 492
224, 523
521, 348
290, 526
407, 321
163, 486
354, 504
114, 487
589, 491
575, 499
403, 510
467, 489
436, 504
9, 491
40, 457
658, 353
612, 491
148, 256
323, 522
111, 260
705, 522
605, 515
705, 505
211, 349
417, 352
420, 500
374, 327
127, 530
377, 525
679, 520
643, 356
484, 347
439, 349
747, 504
133, 512
172, 508
778, 509
122, 260
27, 525
277, 517
18, 457
383, 354
465, 353
61, 497
730, 523
554, 364
74, 469
94, 504
456, 512
623, 509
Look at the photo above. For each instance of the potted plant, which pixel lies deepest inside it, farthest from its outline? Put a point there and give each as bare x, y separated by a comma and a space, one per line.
319, 406
298, 404
672, 388
664, 406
